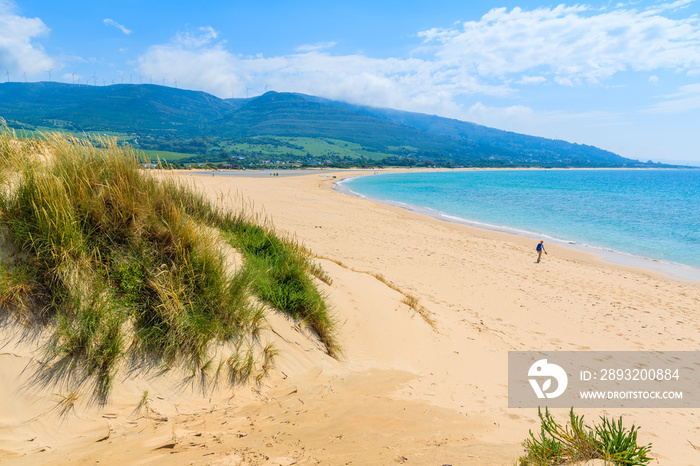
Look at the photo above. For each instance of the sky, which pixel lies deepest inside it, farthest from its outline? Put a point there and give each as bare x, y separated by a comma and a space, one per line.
622, 76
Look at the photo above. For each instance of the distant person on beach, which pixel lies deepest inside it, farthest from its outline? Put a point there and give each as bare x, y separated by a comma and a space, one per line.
540, 250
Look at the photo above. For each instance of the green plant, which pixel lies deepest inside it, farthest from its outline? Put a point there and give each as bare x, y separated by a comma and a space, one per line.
541, 450
557, 444
118, 260
619, 444
281, 275
16, 287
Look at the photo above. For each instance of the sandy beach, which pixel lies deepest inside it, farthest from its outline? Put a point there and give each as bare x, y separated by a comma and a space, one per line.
408, 389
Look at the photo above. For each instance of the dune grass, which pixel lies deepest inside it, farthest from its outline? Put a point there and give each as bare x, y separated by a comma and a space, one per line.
121, 262
577, 442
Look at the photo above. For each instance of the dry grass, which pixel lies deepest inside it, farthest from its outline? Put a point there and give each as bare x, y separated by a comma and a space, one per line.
66, 403
409, 300
413, 302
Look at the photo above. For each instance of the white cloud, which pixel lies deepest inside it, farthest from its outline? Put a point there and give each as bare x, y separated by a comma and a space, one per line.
194, 40
575, 44
316, 47
601, 128
532, 80
18, 51
686, 99
677, 5
690, 89
121, 27
653, 79
563, 81
516, 115
197, 61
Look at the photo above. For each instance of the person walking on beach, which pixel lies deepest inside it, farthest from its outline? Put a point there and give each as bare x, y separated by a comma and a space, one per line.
540, 250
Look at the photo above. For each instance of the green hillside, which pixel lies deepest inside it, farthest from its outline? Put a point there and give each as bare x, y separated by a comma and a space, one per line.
121, 107
280, 129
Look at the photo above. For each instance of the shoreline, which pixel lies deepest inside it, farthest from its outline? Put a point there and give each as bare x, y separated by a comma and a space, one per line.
672, 270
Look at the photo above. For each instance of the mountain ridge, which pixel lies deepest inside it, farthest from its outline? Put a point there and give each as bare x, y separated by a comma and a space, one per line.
203, 125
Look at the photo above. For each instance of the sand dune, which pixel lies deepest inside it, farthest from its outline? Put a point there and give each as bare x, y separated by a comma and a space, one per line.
405, 391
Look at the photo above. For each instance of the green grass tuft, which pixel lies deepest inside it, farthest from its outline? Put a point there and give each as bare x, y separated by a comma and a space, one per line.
282, 274
577, 442
120, 261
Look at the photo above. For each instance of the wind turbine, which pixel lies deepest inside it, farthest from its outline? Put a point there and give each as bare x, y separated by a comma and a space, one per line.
131, 81
7, 73
73, 74
246, 91
25, 77
49, 71
94, 77
176, 84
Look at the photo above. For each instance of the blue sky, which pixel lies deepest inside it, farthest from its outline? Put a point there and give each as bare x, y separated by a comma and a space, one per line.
624, 76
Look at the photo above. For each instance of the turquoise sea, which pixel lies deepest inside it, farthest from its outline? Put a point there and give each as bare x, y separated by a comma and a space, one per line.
652, 214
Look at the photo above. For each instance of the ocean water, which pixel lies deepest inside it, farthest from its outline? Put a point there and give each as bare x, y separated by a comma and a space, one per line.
652, 214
